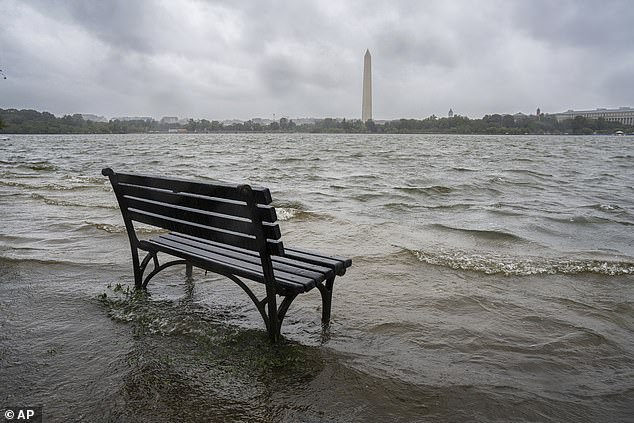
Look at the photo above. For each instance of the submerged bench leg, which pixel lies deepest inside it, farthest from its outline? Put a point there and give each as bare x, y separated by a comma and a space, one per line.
189, 270
326, 300
136, 266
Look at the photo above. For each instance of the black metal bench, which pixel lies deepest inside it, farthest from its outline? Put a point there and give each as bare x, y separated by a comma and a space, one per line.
229, 230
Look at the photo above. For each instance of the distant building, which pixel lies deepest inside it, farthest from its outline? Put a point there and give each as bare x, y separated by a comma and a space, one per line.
450, 114
169, 119
129, 118
262, 121
230, 122
624, 115
93, 118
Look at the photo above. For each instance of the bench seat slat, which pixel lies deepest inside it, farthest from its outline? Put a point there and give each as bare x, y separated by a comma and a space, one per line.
319, 273
338, 264
294, 279
214, 262
246, 257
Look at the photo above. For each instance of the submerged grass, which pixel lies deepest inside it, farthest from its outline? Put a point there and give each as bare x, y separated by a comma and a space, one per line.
186, 363
211, 337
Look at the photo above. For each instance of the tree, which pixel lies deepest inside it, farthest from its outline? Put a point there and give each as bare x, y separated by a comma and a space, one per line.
191, 125
508, 121
580, 125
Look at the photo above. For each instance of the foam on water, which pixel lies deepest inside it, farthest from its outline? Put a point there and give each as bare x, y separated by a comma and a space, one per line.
521, 266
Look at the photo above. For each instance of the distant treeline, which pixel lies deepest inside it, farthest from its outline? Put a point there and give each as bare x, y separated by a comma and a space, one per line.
13, 121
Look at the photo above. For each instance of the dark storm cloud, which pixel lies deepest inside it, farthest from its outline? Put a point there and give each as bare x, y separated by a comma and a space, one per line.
223, 59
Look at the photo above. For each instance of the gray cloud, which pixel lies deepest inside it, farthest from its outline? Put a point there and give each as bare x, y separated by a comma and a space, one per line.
585, 24
225, 59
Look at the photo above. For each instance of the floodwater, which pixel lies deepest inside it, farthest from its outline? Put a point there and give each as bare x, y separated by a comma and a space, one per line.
492, 280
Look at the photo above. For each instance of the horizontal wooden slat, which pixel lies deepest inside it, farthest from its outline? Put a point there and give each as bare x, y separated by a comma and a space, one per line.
318, 273
281, 272
194, 229
196, 201
214, 220
243, 265
338, 264
326, 271
262, 195
274, 247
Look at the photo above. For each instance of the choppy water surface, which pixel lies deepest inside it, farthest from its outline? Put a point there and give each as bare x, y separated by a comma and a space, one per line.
492, 280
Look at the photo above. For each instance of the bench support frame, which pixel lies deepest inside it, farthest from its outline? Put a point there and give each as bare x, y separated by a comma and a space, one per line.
272, 315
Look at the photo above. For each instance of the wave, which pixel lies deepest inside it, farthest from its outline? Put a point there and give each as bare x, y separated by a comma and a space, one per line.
45, 187
118, 229
399, 207
296, 210
8, 260
520, 266
607, 207
41, 166
288, 213
78, 179
531, 173
479, 233
34, 165
287, 210
56, 202
611, 210
590, 220
431, 190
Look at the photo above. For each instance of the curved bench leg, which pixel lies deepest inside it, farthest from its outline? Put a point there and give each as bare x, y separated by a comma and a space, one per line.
326, 300
281, 312
273, 317
139, 269
274, 325
159, 268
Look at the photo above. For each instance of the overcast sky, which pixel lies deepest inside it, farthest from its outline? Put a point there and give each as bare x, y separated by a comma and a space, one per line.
260, 58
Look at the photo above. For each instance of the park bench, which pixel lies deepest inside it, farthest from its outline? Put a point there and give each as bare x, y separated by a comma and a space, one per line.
229, 230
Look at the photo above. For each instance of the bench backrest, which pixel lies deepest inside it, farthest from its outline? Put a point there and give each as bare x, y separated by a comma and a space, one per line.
238, 216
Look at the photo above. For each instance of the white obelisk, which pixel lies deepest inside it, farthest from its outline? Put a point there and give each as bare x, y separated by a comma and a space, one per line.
366, 107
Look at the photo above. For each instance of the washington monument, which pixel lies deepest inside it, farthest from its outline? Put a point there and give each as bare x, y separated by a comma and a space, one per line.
366, 107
